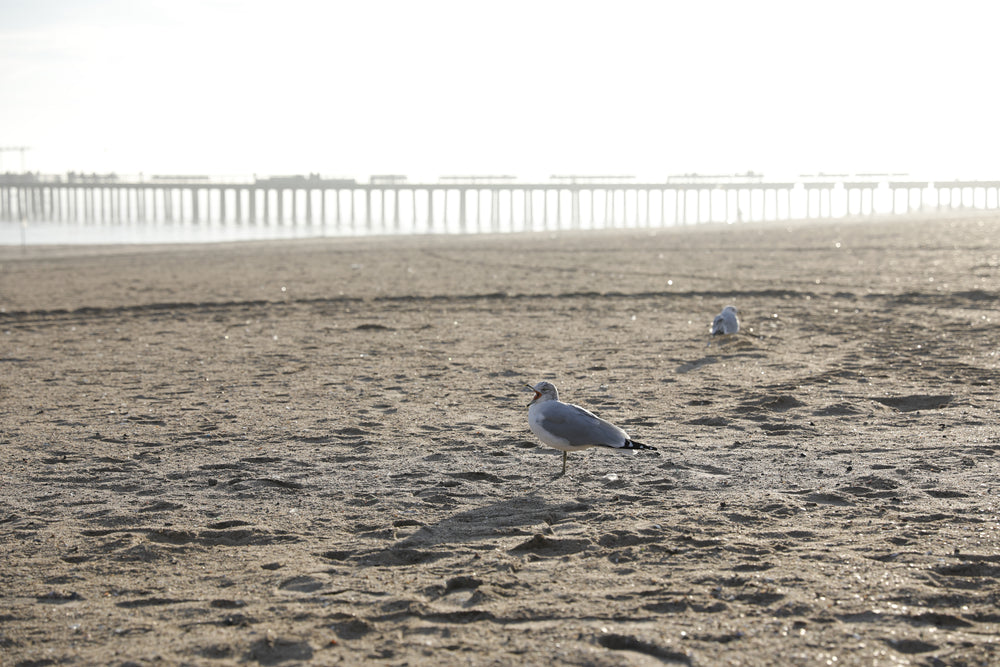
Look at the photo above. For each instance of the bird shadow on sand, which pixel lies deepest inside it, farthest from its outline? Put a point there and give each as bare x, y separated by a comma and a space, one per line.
515, 525
689, 366
729, 347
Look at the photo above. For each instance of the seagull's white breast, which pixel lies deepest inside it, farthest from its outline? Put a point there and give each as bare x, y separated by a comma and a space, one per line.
535, 424
574, 427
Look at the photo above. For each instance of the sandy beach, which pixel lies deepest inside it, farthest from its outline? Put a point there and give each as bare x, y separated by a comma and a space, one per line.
317, 451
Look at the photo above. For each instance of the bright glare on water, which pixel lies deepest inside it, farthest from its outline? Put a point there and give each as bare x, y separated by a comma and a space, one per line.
52, 233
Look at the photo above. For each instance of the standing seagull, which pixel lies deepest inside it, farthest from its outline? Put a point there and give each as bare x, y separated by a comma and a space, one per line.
726, 322
571, 428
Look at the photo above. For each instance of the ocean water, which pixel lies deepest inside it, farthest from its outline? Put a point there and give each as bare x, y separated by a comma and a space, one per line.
75, 233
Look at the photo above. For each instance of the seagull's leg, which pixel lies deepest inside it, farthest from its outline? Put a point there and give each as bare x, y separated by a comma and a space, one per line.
563, 473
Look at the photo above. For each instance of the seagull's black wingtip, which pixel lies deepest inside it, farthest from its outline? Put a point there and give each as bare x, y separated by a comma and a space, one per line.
632, 444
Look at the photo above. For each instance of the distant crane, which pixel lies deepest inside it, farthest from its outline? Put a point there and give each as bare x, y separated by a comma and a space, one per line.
10, 149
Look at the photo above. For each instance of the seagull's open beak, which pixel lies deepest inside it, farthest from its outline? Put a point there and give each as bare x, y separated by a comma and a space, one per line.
537, 393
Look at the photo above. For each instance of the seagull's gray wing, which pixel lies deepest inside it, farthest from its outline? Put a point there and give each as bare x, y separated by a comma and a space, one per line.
580, 427
718, 325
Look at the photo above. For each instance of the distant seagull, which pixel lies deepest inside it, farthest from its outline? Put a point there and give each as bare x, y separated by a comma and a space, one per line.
569, 427
725, 322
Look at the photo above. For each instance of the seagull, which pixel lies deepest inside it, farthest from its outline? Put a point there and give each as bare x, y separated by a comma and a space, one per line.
569, 427
725, 322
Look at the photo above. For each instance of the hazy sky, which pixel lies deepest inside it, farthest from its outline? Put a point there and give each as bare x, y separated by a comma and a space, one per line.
529, 88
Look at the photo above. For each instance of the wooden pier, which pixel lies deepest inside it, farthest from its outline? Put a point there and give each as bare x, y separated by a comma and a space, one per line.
391, 204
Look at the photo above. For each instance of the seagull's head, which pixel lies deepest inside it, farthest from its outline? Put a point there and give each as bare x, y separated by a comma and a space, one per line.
544, 391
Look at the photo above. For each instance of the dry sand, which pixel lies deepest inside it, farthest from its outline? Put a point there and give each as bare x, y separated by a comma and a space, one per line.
318, 451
